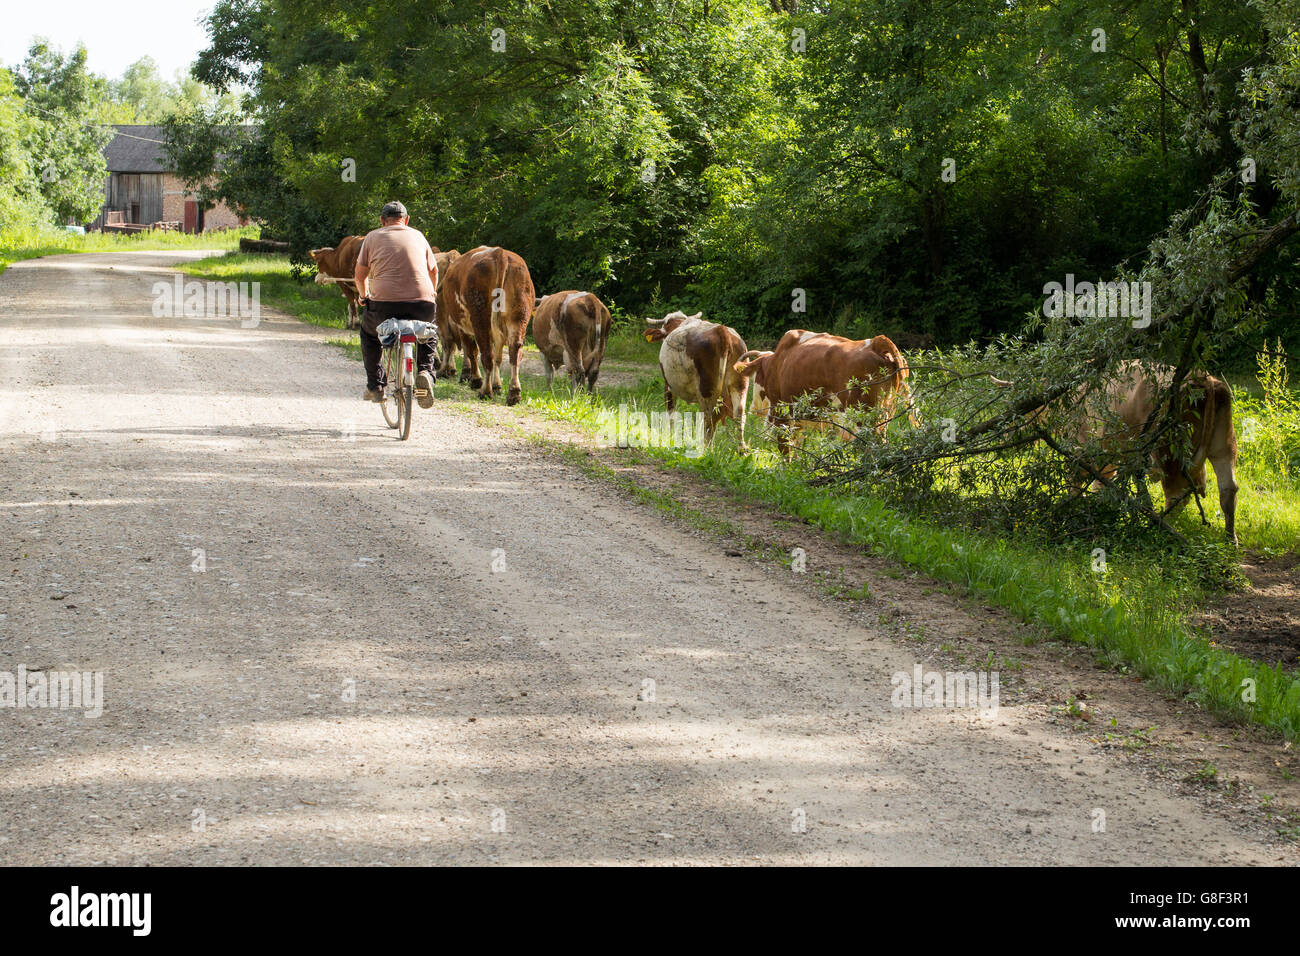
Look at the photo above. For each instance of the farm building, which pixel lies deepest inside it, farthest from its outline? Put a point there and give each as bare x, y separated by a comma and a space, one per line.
141, 191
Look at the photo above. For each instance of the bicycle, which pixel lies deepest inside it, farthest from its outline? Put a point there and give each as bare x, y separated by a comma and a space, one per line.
397, 362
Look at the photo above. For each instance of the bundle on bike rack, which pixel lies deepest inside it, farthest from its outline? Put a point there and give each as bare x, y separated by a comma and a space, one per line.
391, 330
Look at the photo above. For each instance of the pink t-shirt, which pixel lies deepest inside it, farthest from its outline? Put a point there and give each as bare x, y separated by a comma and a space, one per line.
400, 261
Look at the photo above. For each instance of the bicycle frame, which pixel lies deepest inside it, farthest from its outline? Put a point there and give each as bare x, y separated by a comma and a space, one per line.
398, 364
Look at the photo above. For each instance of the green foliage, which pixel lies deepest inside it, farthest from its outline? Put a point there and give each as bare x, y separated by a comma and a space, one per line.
142, 95
722, 156
64, 147
1134, 610
1269, 436
21, 201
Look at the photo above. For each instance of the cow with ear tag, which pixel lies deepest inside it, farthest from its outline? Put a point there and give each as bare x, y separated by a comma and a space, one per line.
698, 361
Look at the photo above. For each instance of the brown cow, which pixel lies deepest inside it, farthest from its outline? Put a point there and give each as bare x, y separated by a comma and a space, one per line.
698, 361
1117, 413
485, 302
447, 343
340, 262
571, 329
834, 372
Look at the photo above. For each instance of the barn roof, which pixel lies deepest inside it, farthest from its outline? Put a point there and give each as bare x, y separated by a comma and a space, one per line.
136, 149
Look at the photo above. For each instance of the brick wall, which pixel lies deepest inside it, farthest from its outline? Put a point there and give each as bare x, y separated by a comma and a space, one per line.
174, 197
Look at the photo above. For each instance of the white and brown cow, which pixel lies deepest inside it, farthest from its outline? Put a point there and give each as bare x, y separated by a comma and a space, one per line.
698, 361
571, 329
832, 373
485, 302
340, 262
1116, 414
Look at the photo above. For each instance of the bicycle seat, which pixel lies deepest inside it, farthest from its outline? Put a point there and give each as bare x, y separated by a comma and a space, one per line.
391, 330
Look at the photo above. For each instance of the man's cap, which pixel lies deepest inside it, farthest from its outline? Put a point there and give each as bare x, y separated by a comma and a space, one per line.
393, 210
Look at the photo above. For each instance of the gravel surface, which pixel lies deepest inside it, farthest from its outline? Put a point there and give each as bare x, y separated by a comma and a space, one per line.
322, 645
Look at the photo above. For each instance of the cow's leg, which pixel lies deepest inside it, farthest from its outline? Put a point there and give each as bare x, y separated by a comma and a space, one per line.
498, 360
1227, 480
577, 373
670, 400
447, 357
516, 391
488, 367
470, 373
469, 376
711, 418
550, 370
738, 411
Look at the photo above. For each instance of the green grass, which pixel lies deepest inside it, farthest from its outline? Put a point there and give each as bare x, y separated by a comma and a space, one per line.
33, 243
1135, 614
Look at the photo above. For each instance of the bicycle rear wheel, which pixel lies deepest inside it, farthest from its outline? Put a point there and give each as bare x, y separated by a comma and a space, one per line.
406, 398
390, 406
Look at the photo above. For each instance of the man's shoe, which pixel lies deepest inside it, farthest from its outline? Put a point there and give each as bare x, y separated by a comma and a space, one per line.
424, 389
373, 395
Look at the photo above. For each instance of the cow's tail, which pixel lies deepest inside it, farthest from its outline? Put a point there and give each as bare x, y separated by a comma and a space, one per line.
595, 328
883, 346
507, 310
1217, 409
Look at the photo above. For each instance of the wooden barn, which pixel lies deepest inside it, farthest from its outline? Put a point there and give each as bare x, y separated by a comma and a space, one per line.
143, 193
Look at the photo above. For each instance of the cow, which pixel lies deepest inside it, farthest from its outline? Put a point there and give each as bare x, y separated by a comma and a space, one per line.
1116, 413
340, 262
697, 359
485, 302
833, 372
571, 329
446, 342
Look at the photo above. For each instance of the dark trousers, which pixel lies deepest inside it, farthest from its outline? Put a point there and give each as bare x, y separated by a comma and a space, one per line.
371, 350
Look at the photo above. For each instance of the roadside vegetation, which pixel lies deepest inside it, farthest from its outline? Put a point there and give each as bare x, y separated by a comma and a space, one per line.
1133, 603
1130, 598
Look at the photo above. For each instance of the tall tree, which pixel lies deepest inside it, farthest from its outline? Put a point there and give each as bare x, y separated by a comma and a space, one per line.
65, 145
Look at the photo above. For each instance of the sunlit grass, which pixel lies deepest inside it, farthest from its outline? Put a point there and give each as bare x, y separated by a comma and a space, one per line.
32, 243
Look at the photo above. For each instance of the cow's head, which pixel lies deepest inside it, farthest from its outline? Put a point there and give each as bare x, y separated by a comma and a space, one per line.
753, 364
314, 253
658, 329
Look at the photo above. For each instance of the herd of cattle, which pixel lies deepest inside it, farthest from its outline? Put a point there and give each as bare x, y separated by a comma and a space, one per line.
486, 301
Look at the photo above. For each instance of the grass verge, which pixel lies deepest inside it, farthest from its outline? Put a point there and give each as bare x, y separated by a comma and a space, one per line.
1133, 612
33, 243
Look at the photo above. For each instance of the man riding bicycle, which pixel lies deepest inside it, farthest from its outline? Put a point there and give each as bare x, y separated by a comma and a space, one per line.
397, 277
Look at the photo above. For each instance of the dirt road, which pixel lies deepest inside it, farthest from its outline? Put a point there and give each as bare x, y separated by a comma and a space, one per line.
321, 645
